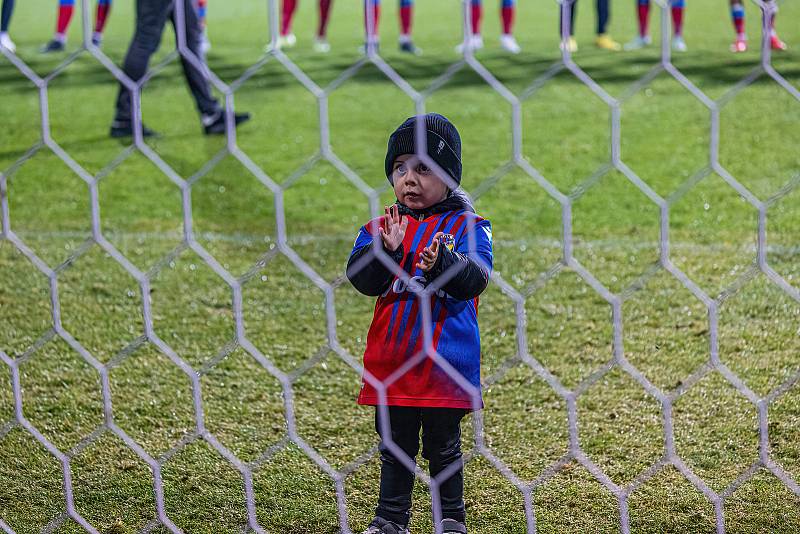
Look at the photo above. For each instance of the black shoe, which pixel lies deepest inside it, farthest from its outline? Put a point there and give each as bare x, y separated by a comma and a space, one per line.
215, 124
451, 526
53, 45
409, 48
380, 525
125, 129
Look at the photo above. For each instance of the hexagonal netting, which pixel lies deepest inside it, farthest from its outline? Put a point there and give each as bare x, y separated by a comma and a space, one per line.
198, 375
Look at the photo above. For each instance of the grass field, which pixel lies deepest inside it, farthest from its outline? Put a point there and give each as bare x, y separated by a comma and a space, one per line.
665, 135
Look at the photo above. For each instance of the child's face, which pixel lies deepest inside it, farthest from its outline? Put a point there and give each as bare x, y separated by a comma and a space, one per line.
415, 184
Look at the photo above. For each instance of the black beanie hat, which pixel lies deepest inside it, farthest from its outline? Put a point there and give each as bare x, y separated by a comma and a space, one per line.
444, 144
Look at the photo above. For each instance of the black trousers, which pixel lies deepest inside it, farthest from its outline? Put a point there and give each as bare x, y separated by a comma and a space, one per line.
151, 17
603, 13
441, 446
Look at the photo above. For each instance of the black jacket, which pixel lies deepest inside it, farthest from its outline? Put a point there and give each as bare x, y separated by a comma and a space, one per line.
468, 281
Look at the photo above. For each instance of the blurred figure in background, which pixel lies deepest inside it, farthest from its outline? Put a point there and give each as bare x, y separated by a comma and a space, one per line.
740, 43
65, 10
603, 40
405, 12
205, 44
643, 39
5, 19
287, 39
151, 16
507, 40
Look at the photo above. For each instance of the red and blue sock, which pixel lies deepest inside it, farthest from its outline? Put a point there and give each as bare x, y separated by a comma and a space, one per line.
65, 10
406, 11
677, 16
507, 9
103, 8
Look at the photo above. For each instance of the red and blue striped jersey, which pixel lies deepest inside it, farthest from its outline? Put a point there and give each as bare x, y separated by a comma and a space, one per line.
396, 334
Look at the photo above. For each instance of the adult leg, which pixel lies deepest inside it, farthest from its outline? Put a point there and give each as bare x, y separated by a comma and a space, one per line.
441, 446
207, 105
572, 6
5, 16
151, 15
5, 19
394, 501
602, 16
406, 13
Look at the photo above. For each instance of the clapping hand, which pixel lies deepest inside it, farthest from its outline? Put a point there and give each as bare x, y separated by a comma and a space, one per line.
394, 227
427, 258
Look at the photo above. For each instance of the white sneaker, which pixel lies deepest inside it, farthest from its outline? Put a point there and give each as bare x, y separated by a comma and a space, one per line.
7, 43
205, 44
638, 42
473, 43
509, 44
287, 41
321, 45
678, 44
571, 45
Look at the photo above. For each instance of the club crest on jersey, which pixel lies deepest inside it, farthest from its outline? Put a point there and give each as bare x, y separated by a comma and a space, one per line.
448, 240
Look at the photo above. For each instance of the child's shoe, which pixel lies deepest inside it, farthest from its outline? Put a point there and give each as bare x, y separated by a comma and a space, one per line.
473, 43
640, 41
571, 45
678, 44
776, 44
739, 45
321, 45
380, 525
451, 526
509, 44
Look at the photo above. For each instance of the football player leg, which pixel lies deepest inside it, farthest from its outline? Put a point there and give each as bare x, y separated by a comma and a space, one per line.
643, 39
406, 13
5, 20
321, 40
474, 42
678, 44
59, 40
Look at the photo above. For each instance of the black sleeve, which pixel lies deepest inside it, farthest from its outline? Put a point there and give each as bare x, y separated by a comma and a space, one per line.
467, 283
373, 278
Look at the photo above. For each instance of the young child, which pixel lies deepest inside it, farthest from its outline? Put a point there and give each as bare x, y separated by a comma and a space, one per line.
430, 230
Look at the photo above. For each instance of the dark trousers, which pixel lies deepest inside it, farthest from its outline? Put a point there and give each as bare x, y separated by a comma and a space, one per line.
441, 446
151, 17
603, 14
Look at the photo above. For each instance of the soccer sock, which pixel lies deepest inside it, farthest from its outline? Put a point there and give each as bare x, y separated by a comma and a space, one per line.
375, 6
65, 8
507, 13
406, 7
324, 16
5, 17
677, 17
103, 7
201, 12
286, 17
644, 13
602, 16
737, 14
476, 13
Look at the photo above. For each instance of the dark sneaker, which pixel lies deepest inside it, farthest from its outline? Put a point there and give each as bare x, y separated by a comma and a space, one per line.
125, 129
53, 45
409, 48
451, 526
380, 525
215, 124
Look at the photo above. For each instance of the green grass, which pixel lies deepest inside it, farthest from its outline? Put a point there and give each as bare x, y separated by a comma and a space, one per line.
664, 139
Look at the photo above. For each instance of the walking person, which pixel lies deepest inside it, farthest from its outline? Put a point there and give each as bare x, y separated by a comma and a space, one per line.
151, 16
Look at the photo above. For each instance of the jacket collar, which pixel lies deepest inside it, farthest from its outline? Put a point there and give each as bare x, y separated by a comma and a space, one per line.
455, 201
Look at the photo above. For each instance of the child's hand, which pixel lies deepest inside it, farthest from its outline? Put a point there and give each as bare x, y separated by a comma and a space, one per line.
393, 230
427, 258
